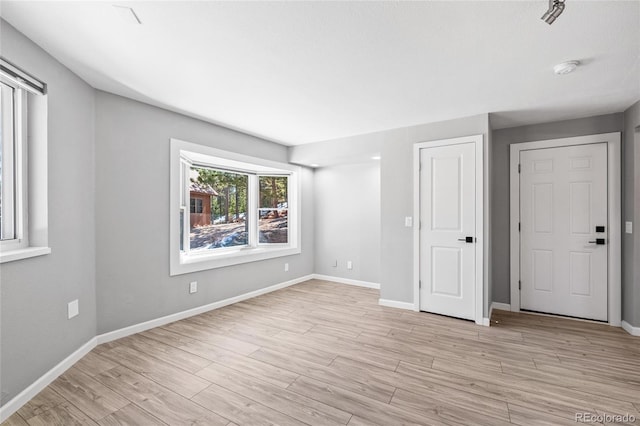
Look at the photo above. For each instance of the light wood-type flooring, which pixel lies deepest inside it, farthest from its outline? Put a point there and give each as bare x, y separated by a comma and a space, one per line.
321, 353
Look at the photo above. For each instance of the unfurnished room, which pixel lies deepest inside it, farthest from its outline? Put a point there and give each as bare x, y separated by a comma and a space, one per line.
319, 212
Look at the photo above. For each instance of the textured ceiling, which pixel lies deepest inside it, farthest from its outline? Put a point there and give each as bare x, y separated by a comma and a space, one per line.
300, 72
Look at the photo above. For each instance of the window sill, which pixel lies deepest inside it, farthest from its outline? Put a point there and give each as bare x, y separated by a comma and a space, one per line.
201, 262
19, 254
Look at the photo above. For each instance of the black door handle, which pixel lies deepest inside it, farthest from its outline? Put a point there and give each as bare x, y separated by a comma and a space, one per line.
598, 241
466, 239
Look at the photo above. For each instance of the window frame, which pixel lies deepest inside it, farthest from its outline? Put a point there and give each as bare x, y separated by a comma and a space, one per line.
183, 155
31, 227
18, 169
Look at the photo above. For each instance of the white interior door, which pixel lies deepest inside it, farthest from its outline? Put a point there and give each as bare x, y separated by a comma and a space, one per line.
448, 230
564, 228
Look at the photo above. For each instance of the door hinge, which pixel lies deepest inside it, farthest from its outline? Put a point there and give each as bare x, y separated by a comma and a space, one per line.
519, 285
518, 167
419, 283
518, 226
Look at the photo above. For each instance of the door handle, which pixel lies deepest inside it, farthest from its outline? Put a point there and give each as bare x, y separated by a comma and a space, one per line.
598, 241
466, 239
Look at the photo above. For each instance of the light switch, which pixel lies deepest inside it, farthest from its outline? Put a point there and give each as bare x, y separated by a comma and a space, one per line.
408, 221
628, 227
73, 309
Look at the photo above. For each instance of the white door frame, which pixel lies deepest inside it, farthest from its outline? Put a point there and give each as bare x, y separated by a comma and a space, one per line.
614, 214
478, 140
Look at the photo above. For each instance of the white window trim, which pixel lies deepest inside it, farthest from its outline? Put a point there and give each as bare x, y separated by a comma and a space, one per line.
31, 176
11, 170
183, 264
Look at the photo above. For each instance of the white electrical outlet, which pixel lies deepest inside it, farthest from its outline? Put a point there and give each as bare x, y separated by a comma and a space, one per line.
286, 267
349, 264
408, 221
73, 308
193, 287
628, 227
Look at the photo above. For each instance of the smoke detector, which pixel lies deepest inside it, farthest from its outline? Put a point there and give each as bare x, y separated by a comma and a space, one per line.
566, 67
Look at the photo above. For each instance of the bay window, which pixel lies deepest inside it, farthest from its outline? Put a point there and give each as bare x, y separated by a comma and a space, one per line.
228, 208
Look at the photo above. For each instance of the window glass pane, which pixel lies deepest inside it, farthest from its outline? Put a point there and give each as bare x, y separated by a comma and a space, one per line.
218, 209
273, 210
7, 163
181, 229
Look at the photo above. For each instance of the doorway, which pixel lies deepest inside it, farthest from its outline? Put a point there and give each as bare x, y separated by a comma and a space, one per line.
449, 235
565, 224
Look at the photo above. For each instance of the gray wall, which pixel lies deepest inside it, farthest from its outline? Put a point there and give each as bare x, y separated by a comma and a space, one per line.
35, 331
132, 220
396, 176
500, 168
347, 221
631, 212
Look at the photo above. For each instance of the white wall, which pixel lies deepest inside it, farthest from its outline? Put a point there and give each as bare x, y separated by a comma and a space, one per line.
347, 221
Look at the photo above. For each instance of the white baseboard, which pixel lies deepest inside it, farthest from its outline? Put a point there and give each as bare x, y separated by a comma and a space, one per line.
45, 380
501, 306
634, 331
157, 322
486, 322
396, 304
346, 281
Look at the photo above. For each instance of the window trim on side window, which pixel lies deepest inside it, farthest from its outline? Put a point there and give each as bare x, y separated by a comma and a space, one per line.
183, 154
29, 164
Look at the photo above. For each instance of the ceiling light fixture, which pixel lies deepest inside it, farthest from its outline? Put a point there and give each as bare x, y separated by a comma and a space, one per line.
566, 67
556, 7
314, 165
376, 157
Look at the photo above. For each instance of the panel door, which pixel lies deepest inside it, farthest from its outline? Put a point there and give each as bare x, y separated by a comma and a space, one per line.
447, 216
563, 199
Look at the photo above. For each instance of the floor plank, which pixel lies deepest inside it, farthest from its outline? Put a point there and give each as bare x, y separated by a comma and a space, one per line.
158, 401
289, 403
45, 400
241, 410
65, 414
90, 396
130, 415
163, 373
15, 420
